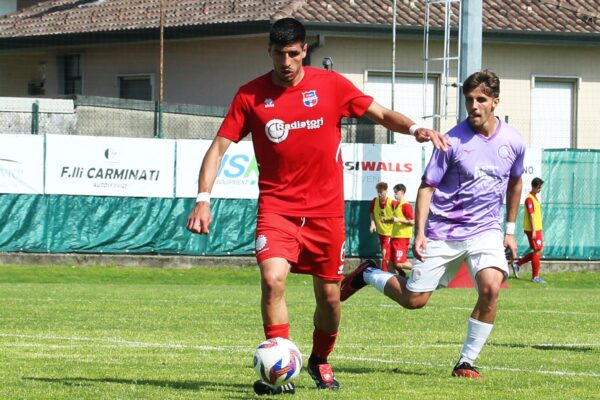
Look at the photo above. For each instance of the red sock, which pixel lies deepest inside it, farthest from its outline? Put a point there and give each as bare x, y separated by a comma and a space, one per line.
273, 331
525, 259
535, 265
323, 343
384, 265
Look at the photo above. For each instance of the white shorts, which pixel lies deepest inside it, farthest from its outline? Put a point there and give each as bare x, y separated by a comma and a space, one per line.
443, 258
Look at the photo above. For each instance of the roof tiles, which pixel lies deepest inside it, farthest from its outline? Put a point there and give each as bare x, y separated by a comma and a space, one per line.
60, 17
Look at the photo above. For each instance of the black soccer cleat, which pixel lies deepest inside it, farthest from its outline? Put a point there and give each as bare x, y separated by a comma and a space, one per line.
354, 282
263, 388
466, 370
323, 376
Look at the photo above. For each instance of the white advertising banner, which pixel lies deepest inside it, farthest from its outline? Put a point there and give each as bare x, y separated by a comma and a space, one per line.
237, 178
21, 164
109, 166
533, 168
367, 164
364, 166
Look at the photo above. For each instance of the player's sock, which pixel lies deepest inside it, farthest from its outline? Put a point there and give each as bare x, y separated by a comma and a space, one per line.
377, 278
280, 330
535, 265
477, 334
384, 265
323, 344
525, 259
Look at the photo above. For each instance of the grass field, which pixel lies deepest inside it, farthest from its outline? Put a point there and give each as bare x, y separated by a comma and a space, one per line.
115, 333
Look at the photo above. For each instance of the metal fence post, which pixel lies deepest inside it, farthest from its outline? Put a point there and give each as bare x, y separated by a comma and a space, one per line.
158, 126
35, 115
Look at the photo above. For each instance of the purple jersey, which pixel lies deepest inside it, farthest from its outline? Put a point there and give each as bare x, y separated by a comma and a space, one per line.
471, 180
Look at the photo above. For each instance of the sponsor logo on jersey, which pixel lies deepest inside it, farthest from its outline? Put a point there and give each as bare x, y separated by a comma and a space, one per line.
277, 130
269, 103
310, 99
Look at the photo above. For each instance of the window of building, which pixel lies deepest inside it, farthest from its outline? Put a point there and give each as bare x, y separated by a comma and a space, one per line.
138, 87
553, 110
411, 97
70, 74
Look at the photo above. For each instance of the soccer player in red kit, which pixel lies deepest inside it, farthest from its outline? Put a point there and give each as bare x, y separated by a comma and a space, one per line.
532, 225
294, 114
381, 213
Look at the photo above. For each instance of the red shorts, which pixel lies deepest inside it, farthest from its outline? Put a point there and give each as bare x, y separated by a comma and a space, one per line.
399, 249
538, 243
312, 245
384, 242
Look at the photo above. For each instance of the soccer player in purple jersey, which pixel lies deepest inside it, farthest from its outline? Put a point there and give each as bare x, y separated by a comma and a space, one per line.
459, 217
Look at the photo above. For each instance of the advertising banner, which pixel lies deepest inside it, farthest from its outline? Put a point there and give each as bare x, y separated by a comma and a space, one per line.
533, 168
364, 166
21, 164
109, 166
367, 164
236, 179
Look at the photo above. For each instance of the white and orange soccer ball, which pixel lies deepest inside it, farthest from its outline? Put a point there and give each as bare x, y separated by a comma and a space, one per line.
277, 361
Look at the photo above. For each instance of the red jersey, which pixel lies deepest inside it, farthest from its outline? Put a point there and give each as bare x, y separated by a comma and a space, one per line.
297, 139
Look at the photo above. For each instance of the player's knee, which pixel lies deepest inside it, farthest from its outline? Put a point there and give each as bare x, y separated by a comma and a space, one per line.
489, 292
273, 283
415, 302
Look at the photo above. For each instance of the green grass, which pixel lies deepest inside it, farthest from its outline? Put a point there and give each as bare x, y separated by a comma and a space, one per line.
121, 333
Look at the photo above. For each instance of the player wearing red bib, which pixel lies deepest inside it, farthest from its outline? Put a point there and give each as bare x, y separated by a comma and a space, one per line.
532, 225
294, 114
402, 231
381, 213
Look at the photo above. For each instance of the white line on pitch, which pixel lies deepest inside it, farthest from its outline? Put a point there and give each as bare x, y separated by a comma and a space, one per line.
532, 311
246, 349
428, 364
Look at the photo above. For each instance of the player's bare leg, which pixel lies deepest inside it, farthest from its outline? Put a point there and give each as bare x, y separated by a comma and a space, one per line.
274, 273
393, 286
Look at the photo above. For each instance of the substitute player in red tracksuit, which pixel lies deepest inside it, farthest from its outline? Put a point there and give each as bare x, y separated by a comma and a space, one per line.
294, 114
532, 225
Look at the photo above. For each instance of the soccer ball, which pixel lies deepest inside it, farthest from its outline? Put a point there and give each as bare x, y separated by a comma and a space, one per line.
277, 361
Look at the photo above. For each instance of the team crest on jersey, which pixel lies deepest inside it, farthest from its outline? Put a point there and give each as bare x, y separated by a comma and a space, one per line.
260, 244
310, 99
269, 103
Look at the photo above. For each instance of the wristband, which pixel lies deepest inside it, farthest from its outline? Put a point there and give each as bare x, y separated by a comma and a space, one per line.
510, 228
203, 196
413, 128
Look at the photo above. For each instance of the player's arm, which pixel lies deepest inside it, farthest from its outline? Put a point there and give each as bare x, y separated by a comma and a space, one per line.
513, 195
398, 122
424, 195
372, 227
200, 218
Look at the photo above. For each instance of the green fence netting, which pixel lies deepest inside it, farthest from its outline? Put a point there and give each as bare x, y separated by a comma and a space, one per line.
88, 224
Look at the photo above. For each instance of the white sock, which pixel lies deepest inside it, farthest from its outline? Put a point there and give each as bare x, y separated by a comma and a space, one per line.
377, 278
477, 334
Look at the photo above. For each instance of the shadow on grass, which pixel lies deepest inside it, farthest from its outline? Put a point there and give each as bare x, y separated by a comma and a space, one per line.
180, 385
555, 347
365, 370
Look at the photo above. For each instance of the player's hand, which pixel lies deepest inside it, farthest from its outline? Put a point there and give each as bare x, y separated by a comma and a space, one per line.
420, 247
200, 218
533, 235
438, 140
511, 244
